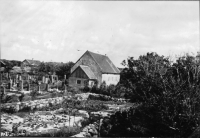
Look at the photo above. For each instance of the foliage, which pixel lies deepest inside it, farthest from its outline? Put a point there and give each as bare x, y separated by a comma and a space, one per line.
26, 98
168, 94
10, 64
64, 69
9, 99
10, 110
21, 97
110, 90
99, 97
34, 94
103, 89
89, 105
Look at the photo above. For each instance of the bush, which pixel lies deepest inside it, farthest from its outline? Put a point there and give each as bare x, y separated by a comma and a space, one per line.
25, 109
6, 99
89, 105
73, 90
10, 110
34, 94
21, 97
168, 95
99, 97
10, 99
110, 90
26, 98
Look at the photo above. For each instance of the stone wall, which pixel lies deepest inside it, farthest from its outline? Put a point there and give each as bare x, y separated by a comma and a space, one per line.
34, 104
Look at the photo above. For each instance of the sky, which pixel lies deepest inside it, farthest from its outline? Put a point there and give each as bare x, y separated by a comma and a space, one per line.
61, 31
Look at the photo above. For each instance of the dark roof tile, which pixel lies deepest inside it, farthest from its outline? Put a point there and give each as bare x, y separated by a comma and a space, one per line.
88, 72
104, 63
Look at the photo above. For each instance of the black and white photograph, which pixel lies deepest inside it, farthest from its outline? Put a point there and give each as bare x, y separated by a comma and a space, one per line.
78, 68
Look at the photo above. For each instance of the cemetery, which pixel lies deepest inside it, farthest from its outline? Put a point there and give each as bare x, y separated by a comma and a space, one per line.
46, 106
146, 102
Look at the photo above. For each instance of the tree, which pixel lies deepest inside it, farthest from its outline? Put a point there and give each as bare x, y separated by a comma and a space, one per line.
168, 95
64, 69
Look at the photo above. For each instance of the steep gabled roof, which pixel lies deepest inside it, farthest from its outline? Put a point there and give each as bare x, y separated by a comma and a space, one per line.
104, 63
33, 62
88, 71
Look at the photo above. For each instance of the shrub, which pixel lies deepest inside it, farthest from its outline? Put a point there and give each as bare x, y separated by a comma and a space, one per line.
26, 98
21, 97
6, 99
99, 97
89, 105
12, 98
168, 95
25, 109
34, 94
10, 110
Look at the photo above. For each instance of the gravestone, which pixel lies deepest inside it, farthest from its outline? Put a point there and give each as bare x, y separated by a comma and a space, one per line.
52, 79
65, 88
47, 87
20, 77
43, 79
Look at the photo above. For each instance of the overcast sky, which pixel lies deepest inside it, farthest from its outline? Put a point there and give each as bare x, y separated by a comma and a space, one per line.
55, 30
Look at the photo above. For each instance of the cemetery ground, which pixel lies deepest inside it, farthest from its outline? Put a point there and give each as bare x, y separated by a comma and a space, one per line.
54, 110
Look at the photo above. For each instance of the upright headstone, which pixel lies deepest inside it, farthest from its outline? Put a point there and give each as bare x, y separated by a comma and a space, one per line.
43, 79
14, 82
20, 77
65, 88
16, 76
52, 80
28, 77
47, 87
64, 77
11, 83
46, 80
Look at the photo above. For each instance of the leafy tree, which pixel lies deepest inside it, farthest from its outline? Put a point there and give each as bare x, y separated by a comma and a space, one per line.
64, 69
168, 95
